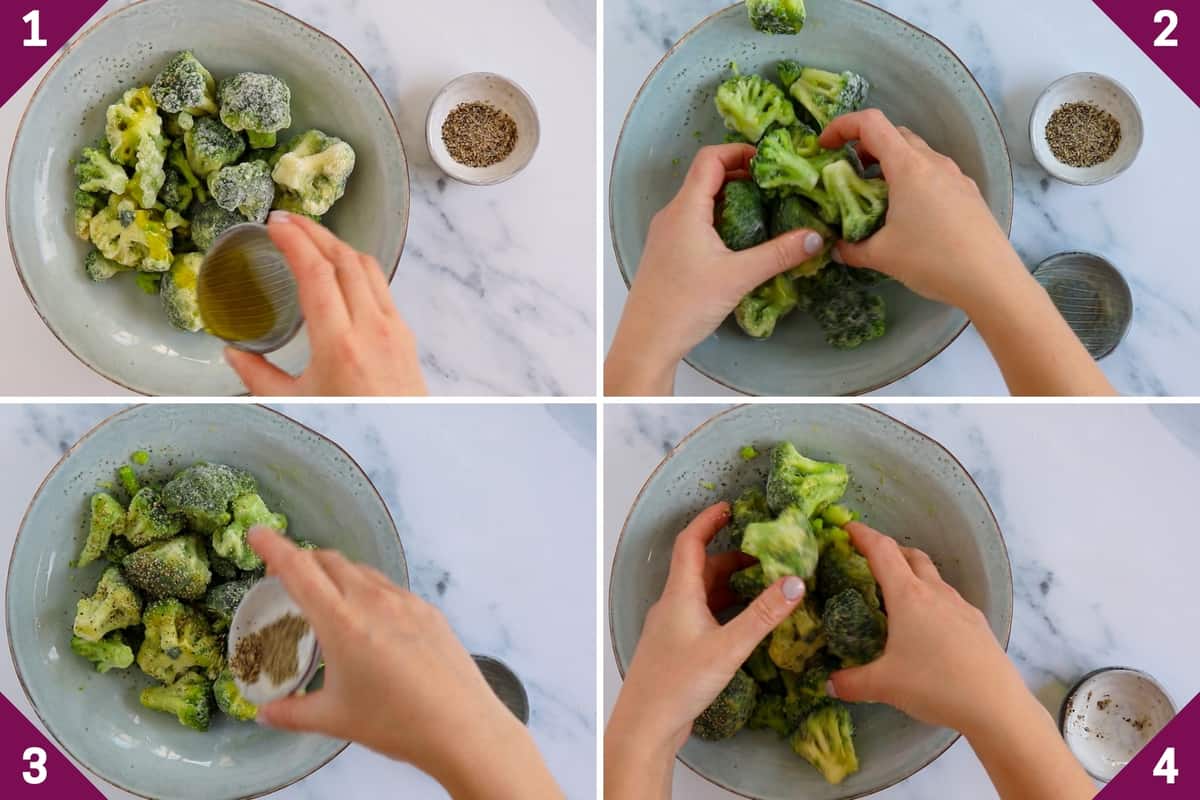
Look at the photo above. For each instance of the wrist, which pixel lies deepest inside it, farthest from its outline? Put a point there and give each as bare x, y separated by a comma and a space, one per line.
635, 368
1009, 707
498, 760
638, 761
996, 285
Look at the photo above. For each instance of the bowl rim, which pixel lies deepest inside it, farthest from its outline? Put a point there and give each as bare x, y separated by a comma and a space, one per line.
12, 650
450, 171
391, 273
1052, 168
612, 221
864, 408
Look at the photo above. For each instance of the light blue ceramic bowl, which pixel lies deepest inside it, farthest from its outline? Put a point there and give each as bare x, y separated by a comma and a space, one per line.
903, 482
115, 329
915, 79
97, 718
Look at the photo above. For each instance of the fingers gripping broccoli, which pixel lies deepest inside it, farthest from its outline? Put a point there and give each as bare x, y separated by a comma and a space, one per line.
731, 710
741, 218
750, 506
777, 164
794, 213
800, 482
777, 16
230, 700
246, 187
784, 546
805, 691
862, 202
179, 293
210, 146
856, 632
115, 604
748, 583
760, 311
96, 172
173, 568
259, 104
111, 652
312, 170
248, 510
222, 601
798, 638
203, 493
750, 104
825, 739
842, 568
107, 520
186, 86
178, 639
148, 519
131, 237
187, 698
825, 95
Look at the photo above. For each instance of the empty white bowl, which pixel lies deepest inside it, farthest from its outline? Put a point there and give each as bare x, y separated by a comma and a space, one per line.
1101, 91
484, 87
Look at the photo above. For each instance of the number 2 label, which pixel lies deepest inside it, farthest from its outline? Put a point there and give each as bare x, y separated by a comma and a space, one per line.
1166, 38
36, 758
1165, 768
34, 18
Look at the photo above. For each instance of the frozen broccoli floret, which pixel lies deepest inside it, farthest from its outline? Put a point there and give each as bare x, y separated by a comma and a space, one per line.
825, 95
210, 146
86, 206
245, 187
177, 159
209, 221
111, 652
825, 739
798, 638
748, 583
148, 519
862, 202
805, 691
178, 639
783, 546
129, 123
777, 16
769, 715
291, 203
185, 85
731, 710
179, 296
177, 125
96, 172
115, 604
149, 175
794, 213
855, 631
173, 568
750, 506
248, 510
187, 698
176, 194
107, 520
849, 316
132, 237
759, 665
260, 105
750, 104
760, 311
204, 494
740, 217
230, 700
101, 269
789, 72
841, 567
313, 169
778, 165
222, 601
800, 482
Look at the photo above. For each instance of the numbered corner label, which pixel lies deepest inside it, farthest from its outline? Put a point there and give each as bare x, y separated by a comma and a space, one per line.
35, 760
1170, 20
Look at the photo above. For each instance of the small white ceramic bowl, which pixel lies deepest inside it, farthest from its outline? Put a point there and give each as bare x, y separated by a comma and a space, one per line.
1109, 717
484, 87
1099, 90
264, 603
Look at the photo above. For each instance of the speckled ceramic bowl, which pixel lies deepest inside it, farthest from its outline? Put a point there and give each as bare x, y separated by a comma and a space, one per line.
97, 718
114, 328
674, 113
903, 482
504, 94
1101, 91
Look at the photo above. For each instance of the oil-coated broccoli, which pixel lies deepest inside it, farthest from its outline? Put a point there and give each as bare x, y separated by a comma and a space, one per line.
751, 104
245, 187
798, 638
186, 86
769, 715
855, 631
132, 237
293, 204
777, 16
788, 71
825, 739
839, 515
129, 481
760, 311
825, 95
96, 172
260, 105
803, 483
176, 194
173, 568
222, 601
118, 548
178, 639
731, 710
111, 652
740, 216
210, 146
862, 202
778, 165
748, 583
248, 510
209, 221
795, 213
783, 546
750, 506
148, 519
177, 159
203, 493
841, 567
129, 122
115, 604
179, 296
188, 698
805, 691
86, 206
230, 700
759, 665
107, 520
313, 169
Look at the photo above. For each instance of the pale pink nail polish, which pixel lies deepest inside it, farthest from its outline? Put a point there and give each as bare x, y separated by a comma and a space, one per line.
813, 243
793, 588
829, 690
282, 217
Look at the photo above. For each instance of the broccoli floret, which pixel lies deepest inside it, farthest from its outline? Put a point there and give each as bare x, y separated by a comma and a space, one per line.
96, 172
186, 86
131, 237
760, 311
222, 601
248, 510
750, 506
805, 691
778, 165
209, 221
130, 122
179, 296
822, 200
245, 187
740, 217
210, 146
118, 548
107, 520
101, 269
111, 652
177, 159
839, 515
148, 519
825, 95
176, 125
115, 604
731, 710
748, 583
862, 202
777, 16
750, 104
851, 318
841, 568
148, 282
150, 175
800, 482
798, 638
86, 206
203, 493
178, 639
789, 72
173, 568
259, 104
783, 546
794, 213
291, 203
129, 481
769, 715
759, 665
856, 632
187, 698
176, 194
313, 169
825, 739
230, 700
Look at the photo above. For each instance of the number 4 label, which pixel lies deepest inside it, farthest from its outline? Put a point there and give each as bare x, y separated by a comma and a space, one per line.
1166, 38
36, 758
1165, 768
34, 18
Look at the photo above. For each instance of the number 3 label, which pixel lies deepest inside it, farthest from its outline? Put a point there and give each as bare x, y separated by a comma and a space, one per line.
1166, 39
36, 758
1165, 768
34, 18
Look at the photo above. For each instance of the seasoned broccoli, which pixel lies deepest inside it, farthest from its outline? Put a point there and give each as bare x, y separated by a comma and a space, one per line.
148, 519
793, 213
740, 217
129, 481
118, 548
731, 710
825, 95
96, 172
841, 567
178, 639
759, 665
750, 506
851, 317
209, 221
132, 237
86, 206
210, 146
748, 583
769, 715
805, 691
223, 599
788, 71
173, 568
186, 86
825, 739
856, 632
204, 493
248, 510
750, 104
260, 105
312, 170
777, 16
760, 311
230, 700
187, 698
829, 536
115, 604
179, 296
798, 638
783, 546
862, 202
778, 165
149, 175
111, 652
800, 482
245, 187
107, 520
838, 515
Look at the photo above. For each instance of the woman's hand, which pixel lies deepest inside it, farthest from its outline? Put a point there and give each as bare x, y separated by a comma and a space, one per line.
688, 281
397, 680
360, 345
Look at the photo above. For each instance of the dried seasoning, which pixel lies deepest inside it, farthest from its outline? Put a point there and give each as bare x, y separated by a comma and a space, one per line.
271, 649
479, 134
1083, 135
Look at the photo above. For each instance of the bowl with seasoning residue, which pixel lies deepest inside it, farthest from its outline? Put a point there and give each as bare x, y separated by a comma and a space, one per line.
482, 129
1086, 129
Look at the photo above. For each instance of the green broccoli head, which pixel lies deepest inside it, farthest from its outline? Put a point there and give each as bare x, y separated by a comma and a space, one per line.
177, 159
789, 72
176, 567
800, 482
839, 515
740, 216
731, 710
841, 568
176, 194
769, 715
118, 548
95, 172
131, 237
259, 104
149, 174
759, 665
204, 493
748, 583
115, 604
798, 638
827, 208
778, 165
130, 122
312, 170
795, 213
825, 95
106, 521
209, 221
188, 698
248, 510
245, 187
179, 295
851, 318
856, 632
148, 519
222, 601
178, 639
777, 16
760, 311
210, 146
862, 202
750, 506
230, 700
805, 691
783, 546
86, 206
111, 652
186, 86
751, 104
825, 739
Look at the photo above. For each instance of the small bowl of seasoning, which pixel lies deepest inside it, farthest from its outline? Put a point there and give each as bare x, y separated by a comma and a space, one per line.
1086, 129
482, 129
272, 651
1109, 717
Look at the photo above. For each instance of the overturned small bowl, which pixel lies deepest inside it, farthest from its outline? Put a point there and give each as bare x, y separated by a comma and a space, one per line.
1100, 91
1109, 717
497, 91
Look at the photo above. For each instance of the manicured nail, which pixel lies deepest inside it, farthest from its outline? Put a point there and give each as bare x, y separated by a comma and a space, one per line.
793, 588
813, 243
837, 255
829, 690
282, 217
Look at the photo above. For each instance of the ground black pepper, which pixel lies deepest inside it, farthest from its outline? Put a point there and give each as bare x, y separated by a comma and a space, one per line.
479, 134
1083, 135
271, 649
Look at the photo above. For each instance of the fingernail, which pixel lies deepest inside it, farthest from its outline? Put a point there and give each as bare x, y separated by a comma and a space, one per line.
837, 255
793, 588
813, 244
282, 217
829, 690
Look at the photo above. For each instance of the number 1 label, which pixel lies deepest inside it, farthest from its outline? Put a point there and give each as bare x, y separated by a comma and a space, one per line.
1166, 38
34, 18
1165, 768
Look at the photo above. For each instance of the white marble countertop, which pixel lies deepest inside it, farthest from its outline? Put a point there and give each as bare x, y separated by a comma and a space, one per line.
498, 283
533, 476
1014, 56
1089, 592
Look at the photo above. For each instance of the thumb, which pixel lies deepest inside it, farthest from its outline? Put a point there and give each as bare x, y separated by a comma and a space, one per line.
299, 713
771, 607
857, 684
260, 376
759, 264
867, 253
